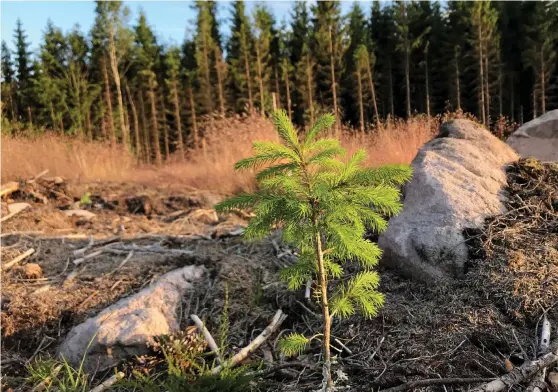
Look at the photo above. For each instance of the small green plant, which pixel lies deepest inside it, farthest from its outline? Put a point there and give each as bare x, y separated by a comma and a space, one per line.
54, 375
324, 206
86, 199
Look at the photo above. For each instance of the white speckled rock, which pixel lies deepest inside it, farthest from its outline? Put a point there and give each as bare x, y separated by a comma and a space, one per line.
458, 181
126, 328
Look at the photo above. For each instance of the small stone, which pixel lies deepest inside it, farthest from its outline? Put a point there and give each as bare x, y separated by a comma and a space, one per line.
33, 271
87, 215
553, 380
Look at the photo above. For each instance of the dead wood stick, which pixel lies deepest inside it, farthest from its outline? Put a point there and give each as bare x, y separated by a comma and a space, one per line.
9, 188
108, 383
435, 381
519, 374
22, 256
123, 262
537, 384
43, 173
150, 249
207, 335
12, 214
85, 258
82, 251
242, 354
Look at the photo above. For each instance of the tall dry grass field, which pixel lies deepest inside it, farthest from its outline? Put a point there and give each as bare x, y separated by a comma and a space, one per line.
210, 167
68, 157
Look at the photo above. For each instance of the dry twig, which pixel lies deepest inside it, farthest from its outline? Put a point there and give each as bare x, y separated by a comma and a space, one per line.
242, 354
208, 337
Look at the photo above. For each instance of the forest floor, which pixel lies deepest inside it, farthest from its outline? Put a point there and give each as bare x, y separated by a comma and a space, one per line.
445, 330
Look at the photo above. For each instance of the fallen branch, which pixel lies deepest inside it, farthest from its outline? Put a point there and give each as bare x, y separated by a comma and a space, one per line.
207, 335
242, 354
41, 174
520, 374
85, 258
157, 248
123, 262
19, 258
435, 381
82, 251
108, 383
20, 207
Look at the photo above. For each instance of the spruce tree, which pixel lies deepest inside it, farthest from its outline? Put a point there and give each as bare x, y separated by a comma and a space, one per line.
263, 24
148, 52
24, 73
172, 62
540, 53
324, 205
298, 47
357, 36
8, 79
239, 60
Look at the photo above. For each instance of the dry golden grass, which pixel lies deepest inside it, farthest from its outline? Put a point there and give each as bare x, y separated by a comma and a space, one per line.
68, 157
210, 167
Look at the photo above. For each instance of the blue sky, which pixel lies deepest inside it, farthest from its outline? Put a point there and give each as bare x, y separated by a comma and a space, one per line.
170, 19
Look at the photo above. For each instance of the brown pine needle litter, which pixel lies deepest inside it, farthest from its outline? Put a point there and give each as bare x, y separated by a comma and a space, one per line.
517, 252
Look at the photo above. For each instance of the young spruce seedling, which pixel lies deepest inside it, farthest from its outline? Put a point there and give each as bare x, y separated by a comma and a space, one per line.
324, 202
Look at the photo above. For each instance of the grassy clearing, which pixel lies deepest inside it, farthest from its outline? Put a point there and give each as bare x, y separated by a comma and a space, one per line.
227, 142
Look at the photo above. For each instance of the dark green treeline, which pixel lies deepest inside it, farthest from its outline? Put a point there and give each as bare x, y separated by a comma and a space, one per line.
117, 82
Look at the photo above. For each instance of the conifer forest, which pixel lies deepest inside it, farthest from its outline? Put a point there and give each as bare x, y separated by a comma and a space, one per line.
116, 82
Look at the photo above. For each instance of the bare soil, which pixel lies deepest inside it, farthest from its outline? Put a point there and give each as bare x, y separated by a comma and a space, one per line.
423, 331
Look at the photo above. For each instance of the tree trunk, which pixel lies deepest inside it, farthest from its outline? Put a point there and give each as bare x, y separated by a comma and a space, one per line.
333, 83
512, 100
325, 308
88, 128
29, 116
136, 123
165, 126
427, 89
457, 83
487, 89
543, 87
260, 80
391, 103
179, 139
407, 83
309, 82
481, 75
208, 94
154, 125
373, 92
288, 91
194, 121
534, 103
277, 90
500, 92
110, 127
248, 77
52, 115
103, 122
146, 142
360, 106
219, 67
116, 75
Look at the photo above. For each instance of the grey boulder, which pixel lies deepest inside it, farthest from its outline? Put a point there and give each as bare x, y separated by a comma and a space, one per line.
128, 327
458, 181
538, 138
